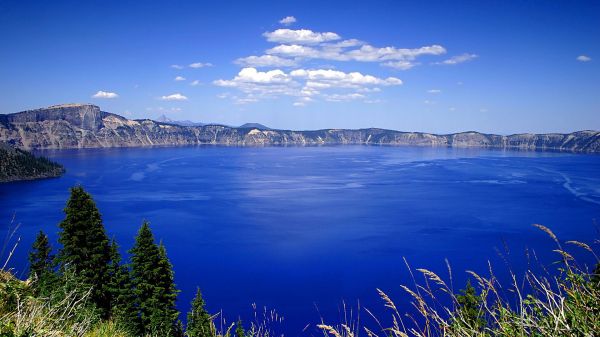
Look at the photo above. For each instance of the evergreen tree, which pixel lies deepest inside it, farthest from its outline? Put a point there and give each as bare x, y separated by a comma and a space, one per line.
41, 264
239, 329
86, 250
469, 306
199, 323
123, 300
154, 287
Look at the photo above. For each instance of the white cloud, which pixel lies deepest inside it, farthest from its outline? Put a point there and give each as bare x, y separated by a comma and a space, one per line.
368, 53
176, 66
401, 65
251, 75
265, 61
343, 97
328, 84
434, 91
325, 78
300, 36
296, 46
174, 97
195, 83
583, 58
399, 58
459, 59
179, 78
105, 94
200, 65
288, 20
295, 50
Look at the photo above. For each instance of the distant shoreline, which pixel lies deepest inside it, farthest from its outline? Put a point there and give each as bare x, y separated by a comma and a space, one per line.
86, 126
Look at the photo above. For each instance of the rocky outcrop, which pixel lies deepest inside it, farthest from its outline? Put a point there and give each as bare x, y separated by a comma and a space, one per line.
86, 126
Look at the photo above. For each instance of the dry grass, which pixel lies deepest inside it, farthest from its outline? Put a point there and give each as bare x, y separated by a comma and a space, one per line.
567, 304
25, 315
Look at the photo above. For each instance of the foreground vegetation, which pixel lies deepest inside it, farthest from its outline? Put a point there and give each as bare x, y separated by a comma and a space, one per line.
540, 304
16, 164
86, 289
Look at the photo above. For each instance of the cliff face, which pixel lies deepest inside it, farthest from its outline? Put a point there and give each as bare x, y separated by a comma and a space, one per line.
84, 125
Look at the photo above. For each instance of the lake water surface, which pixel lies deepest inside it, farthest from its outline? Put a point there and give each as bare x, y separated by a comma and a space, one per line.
301, 229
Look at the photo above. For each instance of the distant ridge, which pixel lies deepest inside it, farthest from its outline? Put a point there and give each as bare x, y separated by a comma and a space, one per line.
86, 126
254, 126
165, 119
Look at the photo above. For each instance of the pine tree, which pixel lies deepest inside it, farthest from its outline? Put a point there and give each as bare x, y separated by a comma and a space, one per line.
469, 306
123, 300
199, 323
86, 250
239, 329
154, 287
167, 294
41, 264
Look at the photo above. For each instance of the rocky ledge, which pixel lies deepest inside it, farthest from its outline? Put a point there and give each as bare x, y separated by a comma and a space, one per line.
86, 126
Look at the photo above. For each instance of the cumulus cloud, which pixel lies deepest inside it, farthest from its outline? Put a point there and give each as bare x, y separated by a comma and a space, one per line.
251, 75
327, 78
306, 84
583, 58
179, 78
299, 36
296, 46
399, 58
200, 65
369, 53
265, 61
176, 66
174, 97
459, 59
105, 94
288, 20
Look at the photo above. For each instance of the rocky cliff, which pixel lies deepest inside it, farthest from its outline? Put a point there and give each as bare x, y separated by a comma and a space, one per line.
85, 125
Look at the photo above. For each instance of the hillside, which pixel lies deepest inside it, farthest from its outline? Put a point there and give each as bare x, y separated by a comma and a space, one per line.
86, 126
17, 164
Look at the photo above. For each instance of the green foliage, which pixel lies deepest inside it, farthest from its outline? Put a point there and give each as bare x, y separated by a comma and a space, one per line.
85, 247
154, 285
124, 310
16, 164
239, 329
199, 322
64, 312
108, 329
41, 265
470, 306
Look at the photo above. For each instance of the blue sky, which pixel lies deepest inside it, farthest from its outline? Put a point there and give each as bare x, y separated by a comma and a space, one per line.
434, 66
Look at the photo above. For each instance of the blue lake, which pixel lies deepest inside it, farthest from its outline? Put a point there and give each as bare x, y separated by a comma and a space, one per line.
301, 229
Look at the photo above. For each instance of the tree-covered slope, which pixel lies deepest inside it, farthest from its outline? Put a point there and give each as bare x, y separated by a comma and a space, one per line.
16, 164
